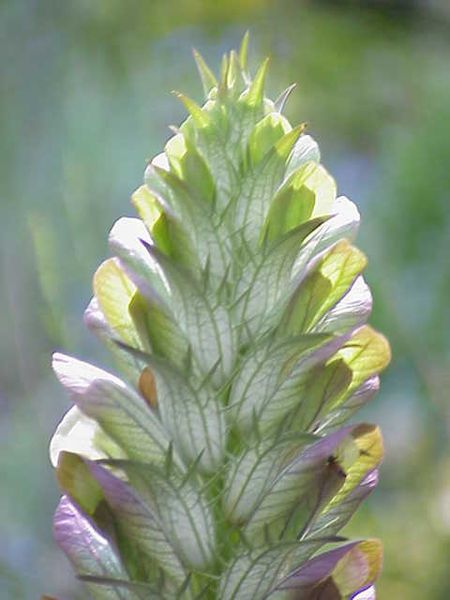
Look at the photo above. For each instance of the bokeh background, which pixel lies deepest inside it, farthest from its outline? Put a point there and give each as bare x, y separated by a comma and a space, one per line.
86, 102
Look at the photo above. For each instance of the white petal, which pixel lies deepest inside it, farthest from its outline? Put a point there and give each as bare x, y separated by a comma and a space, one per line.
127, 232
95, 319
367, 594
305, 149
346, 217
76, 375
125, 240
75, 433
122, 413
161, 161
351, 311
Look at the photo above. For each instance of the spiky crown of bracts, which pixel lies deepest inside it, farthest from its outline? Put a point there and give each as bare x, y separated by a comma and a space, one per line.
218, 466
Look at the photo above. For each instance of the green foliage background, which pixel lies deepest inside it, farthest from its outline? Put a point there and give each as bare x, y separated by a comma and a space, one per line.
86, 100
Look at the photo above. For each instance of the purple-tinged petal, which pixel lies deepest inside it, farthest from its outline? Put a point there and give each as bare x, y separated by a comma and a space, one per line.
366, 353
361, 396
316, 569
367, 593
95, 320
140, 521
333, 518
87, 548
271, 377
359, 458
364, 393
350, 312
128, 239
308, 480
343, 224
321, 450
122, 413
351, 568
257, 573
164, 518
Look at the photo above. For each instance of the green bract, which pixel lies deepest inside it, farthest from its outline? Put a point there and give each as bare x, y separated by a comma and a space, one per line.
218, 464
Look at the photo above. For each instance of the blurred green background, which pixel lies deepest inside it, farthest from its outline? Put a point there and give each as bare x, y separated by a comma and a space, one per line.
86, 101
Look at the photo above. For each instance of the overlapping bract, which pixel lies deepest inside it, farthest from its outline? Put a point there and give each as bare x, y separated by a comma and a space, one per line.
218, 465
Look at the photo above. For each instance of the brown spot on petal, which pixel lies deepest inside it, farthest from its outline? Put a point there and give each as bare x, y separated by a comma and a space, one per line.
334, 465
147, 387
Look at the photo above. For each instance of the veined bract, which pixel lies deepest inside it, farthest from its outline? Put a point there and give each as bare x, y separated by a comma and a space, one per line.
217, 463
